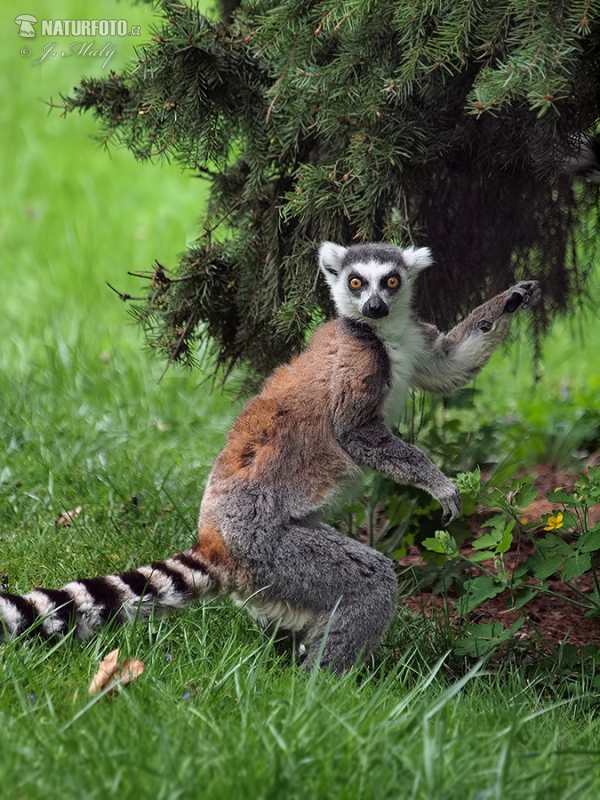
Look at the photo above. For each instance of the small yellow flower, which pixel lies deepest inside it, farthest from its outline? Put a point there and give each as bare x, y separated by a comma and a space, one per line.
554, 522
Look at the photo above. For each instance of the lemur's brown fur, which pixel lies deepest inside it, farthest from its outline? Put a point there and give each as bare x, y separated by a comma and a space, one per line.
261, 539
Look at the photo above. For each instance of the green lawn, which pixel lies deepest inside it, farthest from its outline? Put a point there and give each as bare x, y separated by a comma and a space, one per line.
83, 422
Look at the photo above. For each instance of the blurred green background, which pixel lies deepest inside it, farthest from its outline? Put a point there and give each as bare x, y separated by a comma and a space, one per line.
74, 215
82, 414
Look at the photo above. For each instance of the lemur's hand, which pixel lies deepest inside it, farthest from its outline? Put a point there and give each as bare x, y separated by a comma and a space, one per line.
524, 295
449, 498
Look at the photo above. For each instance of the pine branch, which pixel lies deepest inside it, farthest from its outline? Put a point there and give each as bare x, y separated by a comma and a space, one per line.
455, 124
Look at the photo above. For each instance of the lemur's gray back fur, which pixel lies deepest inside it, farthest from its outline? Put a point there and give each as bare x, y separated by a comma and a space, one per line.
261, 539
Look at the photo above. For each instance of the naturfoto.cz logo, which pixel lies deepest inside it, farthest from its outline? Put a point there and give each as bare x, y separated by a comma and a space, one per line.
75, 27
79, 29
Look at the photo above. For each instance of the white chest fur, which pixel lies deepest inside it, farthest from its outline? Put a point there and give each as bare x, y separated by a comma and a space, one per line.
404, 344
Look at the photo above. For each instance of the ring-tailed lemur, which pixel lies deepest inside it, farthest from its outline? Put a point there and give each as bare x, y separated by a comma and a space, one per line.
260, 537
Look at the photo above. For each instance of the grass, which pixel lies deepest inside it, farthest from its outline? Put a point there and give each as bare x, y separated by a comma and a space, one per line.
251, 728
84, 423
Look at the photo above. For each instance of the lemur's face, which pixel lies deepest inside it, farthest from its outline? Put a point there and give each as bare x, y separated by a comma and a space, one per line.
368, 280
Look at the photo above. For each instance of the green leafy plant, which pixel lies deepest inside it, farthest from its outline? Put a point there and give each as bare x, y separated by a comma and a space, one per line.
567, 550
485, 637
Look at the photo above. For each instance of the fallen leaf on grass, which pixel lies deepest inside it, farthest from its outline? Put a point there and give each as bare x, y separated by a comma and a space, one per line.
131, 669
65, 520
109, 673
106, 671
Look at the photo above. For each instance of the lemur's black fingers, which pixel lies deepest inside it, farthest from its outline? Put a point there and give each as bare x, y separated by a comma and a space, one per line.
451, 506
524, 295
534, 294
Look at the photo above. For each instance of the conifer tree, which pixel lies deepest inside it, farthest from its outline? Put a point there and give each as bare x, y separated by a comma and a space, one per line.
457, 124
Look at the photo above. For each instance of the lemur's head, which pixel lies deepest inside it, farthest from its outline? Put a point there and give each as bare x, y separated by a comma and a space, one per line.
368, 280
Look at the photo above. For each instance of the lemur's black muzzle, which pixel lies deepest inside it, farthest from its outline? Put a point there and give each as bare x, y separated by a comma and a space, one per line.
375, 308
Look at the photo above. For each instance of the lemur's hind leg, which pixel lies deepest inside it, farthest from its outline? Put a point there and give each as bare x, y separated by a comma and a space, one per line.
319, 584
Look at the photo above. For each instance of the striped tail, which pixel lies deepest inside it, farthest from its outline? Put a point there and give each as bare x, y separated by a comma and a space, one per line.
89, 604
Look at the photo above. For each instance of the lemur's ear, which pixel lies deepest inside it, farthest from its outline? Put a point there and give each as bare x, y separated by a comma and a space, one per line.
417, 258
330, 258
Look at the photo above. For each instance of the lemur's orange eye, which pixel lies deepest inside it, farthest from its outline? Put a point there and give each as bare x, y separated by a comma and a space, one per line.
355, 283
393, 282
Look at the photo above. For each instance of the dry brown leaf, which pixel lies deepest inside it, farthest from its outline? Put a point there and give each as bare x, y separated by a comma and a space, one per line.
65, 520
109, 673
131, 669
106, 671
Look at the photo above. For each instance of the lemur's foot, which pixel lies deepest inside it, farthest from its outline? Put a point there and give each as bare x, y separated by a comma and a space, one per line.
524, 295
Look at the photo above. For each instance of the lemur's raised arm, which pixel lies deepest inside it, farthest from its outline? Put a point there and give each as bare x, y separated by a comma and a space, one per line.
450, 360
